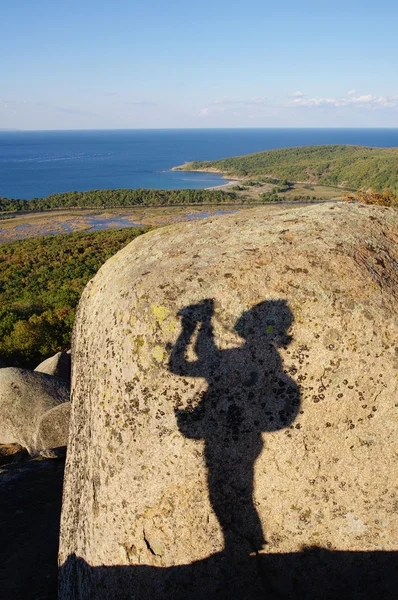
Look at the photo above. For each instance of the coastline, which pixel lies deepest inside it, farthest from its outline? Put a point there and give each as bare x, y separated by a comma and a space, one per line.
230, 183
224, 186
207, 170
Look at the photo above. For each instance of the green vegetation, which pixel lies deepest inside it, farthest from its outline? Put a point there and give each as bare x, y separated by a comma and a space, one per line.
118, 199
269, 197
41, 281
353, 167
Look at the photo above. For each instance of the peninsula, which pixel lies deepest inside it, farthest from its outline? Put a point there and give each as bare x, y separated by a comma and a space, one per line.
352, 167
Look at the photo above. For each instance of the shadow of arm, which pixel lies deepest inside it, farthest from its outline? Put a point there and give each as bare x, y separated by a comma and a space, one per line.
178, 364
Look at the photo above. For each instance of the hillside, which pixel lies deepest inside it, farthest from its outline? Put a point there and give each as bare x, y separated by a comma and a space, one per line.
353, 167
41, 281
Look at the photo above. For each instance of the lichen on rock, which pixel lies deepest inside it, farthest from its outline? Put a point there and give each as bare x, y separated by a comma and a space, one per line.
234, 394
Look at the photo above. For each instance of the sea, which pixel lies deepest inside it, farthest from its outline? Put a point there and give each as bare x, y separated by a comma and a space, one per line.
35, 164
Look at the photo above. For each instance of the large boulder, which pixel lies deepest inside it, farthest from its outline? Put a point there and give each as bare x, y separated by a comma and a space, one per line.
234, 401
57, 365
24, 397
53, 428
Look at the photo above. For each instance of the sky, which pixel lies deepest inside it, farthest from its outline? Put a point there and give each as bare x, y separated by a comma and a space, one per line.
93, 64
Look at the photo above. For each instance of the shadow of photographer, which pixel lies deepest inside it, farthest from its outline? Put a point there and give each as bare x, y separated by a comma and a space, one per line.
248, 393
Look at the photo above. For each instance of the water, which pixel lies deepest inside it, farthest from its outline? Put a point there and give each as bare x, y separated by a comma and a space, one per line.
113, 222
96, 224
39, 163
93, 223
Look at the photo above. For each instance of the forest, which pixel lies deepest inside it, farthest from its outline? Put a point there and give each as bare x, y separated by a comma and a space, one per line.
118, 198
354, 167
41, 281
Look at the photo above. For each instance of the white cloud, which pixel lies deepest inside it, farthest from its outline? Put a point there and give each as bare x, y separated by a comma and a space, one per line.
362, 99
260, 107
351, 92
365, 101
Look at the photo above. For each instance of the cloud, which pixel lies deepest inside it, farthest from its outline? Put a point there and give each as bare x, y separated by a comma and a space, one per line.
260, 106
365, 101
362, 99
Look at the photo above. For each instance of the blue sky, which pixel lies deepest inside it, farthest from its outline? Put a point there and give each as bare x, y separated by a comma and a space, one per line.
121, 64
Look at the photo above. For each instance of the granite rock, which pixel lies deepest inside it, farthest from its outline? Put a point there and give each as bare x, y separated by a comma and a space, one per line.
53, 428
58, 365
234, 396
24, 397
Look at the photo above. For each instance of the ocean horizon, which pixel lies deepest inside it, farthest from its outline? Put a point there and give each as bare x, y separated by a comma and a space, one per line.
35, 164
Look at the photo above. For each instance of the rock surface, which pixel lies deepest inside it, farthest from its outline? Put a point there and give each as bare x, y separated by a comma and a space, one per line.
53, 428
234, 400
57, 365
24, 397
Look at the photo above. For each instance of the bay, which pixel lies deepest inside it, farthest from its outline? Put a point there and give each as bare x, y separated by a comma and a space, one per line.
39, 163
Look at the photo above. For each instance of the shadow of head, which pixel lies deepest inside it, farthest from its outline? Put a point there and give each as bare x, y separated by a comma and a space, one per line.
270, 319
247, 385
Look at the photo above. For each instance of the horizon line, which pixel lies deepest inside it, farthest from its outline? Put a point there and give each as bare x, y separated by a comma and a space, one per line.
16, 130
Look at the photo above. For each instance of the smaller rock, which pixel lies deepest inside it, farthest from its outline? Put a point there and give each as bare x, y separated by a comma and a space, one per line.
11, 453
25, 396
57, 365
53, 430
54, 452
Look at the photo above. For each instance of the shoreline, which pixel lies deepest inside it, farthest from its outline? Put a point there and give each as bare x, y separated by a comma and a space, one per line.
182, 168
230, 183
237, 180
224, 186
